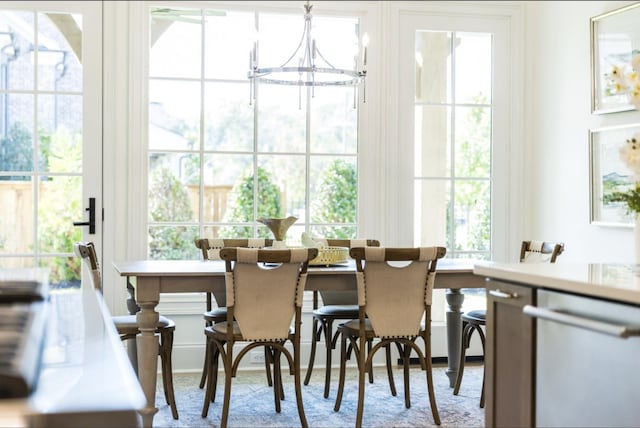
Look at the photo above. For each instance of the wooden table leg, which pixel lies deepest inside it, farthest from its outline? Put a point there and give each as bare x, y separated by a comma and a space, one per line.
147, 344
454, 333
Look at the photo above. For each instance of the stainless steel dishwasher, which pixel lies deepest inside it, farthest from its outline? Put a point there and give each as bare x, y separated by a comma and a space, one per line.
587, 361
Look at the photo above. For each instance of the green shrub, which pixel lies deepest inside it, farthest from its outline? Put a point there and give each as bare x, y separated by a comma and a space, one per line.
337, 200
241, 204
169, 202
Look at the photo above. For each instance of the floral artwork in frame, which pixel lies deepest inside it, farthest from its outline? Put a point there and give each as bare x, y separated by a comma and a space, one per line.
615, 40
611, 174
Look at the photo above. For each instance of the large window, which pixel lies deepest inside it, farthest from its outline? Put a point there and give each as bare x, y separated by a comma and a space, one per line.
219, 159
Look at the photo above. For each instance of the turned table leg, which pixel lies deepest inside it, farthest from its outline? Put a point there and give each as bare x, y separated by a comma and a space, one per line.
454, 333
147, 345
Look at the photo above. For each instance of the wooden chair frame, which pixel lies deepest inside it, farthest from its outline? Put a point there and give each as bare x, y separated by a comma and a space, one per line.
553, 248
337, 305
359, 332
221, 337
219, 314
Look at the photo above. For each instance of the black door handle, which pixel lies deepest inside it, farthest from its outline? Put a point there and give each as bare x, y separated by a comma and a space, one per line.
92, 217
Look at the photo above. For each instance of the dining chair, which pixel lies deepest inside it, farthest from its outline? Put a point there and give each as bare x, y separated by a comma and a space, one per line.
393, 301
210, 248
474, 321
127, 327
336, 305
264, 293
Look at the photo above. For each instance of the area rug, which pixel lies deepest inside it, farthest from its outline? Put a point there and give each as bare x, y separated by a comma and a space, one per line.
252, 401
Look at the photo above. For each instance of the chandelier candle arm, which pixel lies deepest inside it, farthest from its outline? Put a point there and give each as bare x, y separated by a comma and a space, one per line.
312, 68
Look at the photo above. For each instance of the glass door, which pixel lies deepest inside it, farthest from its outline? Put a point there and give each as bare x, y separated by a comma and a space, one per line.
50, 134
454, 133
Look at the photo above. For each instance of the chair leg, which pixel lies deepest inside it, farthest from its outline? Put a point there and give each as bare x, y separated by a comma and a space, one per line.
270, 359
211, 382
362, 367
205, 367
214, 356
297, 380
482, 339
327, 327
467, 329
343, 363
164, 376
267, 364
166, 345
369, 346
429, 369
277, 378
314, 340
405, 369
392, 383
227, 384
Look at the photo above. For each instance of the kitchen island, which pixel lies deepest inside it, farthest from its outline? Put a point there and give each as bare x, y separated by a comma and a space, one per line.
85, 378
563, 342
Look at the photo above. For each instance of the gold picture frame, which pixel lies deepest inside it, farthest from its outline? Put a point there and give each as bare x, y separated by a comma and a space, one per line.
609, 174
615, 36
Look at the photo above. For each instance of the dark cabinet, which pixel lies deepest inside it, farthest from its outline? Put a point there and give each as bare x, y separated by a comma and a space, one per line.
510, 356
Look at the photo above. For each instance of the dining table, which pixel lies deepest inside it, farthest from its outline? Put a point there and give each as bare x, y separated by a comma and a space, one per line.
151, 278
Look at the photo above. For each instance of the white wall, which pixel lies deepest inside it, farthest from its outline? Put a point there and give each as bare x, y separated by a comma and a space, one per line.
557, 121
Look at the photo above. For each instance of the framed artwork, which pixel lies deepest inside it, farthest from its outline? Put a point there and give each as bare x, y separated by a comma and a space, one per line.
615, 36
609, 174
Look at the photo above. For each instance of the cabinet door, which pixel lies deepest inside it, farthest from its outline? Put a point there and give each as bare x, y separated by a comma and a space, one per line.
509, 359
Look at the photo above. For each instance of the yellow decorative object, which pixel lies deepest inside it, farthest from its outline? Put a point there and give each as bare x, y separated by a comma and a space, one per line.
330, 256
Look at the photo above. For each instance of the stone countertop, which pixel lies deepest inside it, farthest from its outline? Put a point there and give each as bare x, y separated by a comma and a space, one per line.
617, 282
86, 378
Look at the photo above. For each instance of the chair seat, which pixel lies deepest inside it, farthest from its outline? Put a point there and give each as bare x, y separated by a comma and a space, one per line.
215, 315
337, 311
352, 328
220, 328
126, 324
476, 317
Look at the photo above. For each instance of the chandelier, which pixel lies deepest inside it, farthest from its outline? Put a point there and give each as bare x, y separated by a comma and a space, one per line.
307, 66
